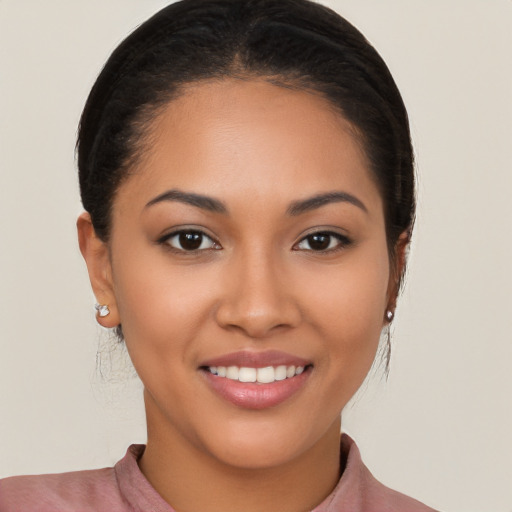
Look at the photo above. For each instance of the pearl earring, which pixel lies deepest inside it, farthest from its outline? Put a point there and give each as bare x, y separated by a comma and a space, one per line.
102, 310
390, 315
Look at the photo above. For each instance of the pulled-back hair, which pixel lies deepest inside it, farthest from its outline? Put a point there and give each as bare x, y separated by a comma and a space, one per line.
293, 43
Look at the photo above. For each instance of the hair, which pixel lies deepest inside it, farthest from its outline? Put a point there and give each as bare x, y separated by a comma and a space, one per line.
292, 43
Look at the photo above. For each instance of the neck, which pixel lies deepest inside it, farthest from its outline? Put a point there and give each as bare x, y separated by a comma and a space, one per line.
190, 479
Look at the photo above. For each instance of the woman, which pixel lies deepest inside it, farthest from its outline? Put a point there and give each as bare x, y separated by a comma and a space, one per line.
247, 175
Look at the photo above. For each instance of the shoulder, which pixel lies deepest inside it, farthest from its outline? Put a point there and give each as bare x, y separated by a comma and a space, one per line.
382, 498
79, 490
359, 491
122, 488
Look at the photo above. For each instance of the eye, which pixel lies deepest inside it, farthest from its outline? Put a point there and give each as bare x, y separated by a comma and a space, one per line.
323, 241
189, 241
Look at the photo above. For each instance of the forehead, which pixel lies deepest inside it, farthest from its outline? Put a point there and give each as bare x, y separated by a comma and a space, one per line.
233, 137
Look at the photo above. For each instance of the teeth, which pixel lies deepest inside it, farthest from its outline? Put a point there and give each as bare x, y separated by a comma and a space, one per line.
247, 374
265, 375
290, 371
232, 372
281, 373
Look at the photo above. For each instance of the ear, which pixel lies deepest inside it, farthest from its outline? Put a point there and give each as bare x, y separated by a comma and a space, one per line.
96, 254
397, 267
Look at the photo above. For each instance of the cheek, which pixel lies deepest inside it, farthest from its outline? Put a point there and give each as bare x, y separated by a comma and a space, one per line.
160, 306
352, 294
346, 306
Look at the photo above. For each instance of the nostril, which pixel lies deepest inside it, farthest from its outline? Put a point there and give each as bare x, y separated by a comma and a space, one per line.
257, 318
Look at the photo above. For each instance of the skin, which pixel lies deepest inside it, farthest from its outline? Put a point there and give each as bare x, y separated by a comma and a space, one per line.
259, 285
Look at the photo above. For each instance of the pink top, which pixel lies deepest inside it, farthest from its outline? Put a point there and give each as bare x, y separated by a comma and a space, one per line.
124, 488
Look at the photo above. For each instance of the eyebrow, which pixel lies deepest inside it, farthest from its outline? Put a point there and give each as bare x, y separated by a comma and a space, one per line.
312, 203
296, 207
204, 202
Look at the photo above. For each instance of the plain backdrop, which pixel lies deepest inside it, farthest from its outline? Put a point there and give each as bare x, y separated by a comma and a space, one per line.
440, 428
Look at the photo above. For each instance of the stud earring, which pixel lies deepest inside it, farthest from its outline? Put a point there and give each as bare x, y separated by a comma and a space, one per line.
390, 315
102, 310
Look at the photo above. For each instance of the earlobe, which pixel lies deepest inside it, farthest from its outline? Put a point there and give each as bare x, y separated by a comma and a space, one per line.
96, 255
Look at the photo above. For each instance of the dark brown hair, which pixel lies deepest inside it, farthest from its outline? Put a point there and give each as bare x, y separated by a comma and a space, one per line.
292, 43
296, 43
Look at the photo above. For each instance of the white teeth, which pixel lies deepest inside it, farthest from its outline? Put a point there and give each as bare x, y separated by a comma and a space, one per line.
232, 372
281, 373
265, 375
247, 375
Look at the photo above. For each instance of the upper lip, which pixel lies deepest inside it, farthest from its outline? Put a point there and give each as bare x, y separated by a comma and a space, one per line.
251, 359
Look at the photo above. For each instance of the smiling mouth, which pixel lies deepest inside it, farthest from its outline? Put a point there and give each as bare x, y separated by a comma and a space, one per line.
266, 375
256, 380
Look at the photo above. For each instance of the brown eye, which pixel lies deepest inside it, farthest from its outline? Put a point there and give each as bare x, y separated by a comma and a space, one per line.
323, 242
319, 242
190, 241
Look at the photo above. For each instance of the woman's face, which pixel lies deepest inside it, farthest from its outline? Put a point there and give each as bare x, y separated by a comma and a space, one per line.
251, 235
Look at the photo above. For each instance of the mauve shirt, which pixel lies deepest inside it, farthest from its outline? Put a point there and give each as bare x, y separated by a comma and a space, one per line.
124, 488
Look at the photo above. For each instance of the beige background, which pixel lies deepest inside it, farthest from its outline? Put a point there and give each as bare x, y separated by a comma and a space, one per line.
441, 428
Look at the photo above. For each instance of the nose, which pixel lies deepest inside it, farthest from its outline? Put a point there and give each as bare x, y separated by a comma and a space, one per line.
257, 298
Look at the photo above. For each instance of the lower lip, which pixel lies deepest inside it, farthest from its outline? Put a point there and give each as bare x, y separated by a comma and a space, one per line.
254, 395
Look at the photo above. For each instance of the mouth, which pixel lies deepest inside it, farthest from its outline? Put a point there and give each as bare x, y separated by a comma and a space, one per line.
256, 380
265, 375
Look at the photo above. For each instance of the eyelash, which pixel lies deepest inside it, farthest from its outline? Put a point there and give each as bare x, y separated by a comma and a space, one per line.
165, 240
343, 241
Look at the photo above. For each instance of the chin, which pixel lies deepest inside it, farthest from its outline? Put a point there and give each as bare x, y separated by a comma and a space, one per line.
265, 445
255, 454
